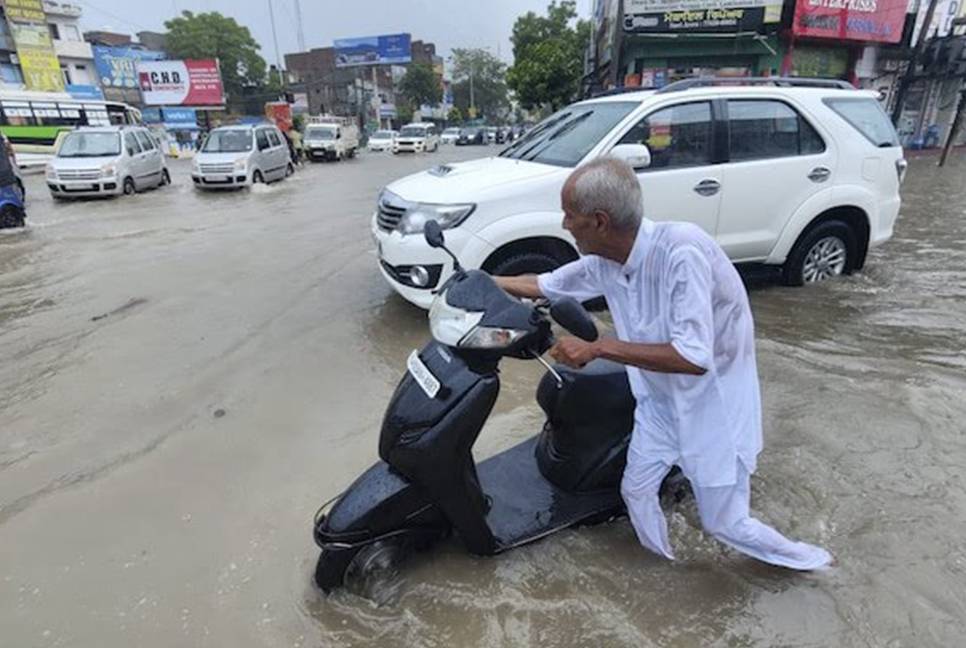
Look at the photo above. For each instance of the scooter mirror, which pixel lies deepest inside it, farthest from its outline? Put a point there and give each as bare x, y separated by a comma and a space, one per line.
434, 234
571, 315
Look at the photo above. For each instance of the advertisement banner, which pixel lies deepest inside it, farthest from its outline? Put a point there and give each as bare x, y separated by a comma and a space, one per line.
700, 16
373, 50
25, 10
38, 61
877, 21
942, 19
181, 83
116, 66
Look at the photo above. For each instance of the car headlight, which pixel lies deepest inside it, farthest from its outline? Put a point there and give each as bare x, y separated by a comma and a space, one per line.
50, 171
448, 216
109, 170
241, 164
456, 327
195, 166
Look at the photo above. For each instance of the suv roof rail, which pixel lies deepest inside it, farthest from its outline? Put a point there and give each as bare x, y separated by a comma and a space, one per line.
802, 82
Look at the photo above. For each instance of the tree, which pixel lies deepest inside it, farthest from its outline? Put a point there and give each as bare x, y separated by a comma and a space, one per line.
455, 116
548, 53
212, 35
420, 86
479, 81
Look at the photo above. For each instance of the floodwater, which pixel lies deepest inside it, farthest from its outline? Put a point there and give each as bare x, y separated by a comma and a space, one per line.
186, 377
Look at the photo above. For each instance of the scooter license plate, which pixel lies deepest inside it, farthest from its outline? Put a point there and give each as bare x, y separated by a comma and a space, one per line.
423, 376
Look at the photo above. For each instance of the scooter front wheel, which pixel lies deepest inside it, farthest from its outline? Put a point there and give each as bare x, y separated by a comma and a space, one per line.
331, 568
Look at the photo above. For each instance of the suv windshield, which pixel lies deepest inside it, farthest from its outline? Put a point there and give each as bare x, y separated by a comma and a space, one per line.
228, 141
412, 131
320, 133
564, 138
90, 145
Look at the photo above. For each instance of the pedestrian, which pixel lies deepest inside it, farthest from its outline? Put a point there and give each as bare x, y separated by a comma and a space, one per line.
685, 333
291, 146
296, 138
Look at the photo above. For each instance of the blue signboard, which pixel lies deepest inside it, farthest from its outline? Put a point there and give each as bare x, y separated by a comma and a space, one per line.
151, 115
374, 50
116, 66
80, 91
187, 116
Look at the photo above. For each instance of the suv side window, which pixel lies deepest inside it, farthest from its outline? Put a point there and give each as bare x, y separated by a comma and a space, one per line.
131, 143
274, 138
760, 129
678, 136
261, 137
867, 117
145, 140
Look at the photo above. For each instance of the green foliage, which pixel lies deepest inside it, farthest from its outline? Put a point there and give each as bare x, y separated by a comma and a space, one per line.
298, 122
212, 35
548, 53
489, 88
420, 85
455, 116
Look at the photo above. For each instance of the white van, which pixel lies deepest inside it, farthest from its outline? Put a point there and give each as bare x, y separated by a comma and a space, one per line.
415, 138
239, 156
331, 141
802, 174
106, 161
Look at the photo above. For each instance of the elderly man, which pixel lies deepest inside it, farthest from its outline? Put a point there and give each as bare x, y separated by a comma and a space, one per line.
685, 334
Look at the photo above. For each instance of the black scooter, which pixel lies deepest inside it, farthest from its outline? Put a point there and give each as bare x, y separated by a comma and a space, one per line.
428, 484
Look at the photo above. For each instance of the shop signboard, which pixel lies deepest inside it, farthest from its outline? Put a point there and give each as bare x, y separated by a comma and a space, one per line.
25, 10
878, 21
942, 19
700, 16
181, 83
38, 60
117, 66
373, 50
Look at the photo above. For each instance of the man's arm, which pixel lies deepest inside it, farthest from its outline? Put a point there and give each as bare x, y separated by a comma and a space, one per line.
520, 286
662, 358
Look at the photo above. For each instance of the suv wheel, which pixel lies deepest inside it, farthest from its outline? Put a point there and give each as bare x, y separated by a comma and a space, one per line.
826, 251
525, 263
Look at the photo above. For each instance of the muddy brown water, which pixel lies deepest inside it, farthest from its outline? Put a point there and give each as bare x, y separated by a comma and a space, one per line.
186, 377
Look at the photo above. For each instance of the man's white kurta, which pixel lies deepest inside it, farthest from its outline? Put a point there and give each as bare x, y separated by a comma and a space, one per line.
678, 286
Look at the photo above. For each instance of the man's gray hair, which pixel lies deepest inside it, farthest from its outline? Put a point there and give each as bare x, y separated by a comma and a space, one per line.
609, 185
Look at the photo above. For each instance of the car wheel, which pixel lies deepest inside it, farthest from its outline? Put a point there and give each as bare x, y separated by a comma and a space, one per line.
165, 178
257, 177
11, 216
525, 263
23, 191
826, 251
129, 188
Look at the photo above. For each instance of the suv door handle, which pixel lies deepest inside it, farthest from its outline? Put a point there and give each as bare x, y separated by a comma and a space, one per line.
819, 174
707, 187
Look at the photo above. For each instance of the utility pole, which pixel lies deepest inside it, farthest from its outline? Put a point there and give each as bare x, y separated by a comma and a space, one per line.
910, 74
278, 59
298, 22
957, 120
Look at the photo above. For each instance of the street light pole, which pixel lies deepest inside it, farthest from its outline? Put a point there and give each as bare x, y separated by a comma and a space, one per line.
278, 59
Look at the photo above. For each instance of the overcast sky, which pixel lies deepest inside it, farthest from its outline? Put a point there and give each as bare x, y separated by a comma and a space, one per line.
448, 23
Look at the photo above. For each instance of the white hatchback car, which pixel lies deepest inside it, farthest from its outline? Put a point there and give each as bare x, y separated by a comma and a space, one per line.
416, 138
239, 156
106, 161
382, 140
797, 173
449, 136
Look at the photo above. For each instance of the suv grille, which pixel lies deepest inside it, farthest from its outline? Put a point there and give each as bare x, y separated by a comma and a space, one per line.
389, 216
79, 174
227, 169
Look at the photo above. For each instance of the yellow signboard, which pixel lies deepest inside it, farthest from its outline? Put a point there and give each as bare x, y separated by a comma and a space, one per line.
26, 10
38, 61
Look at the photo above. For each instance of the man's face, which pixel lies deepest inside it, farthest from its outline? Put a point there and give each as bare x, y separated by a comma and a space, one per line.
587, 229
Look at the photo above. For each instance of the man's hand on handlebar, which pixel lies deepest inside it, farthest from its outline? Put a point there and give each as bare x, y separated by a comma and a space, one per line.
574, 352
521, 286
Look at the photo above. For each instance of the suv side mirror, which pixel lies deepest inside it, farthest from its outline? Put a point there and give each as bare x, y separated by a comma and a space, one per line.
571, 315
636, 155
433, 234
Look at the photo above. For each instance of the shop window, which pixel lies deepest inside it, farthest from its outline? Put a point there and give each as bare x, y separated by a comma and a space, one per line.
54, 31
760, 130
679, 136
10, 73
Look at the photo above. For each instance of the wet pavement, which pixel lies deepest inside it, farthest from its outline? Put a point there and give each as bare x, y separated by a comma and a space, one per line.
185, 377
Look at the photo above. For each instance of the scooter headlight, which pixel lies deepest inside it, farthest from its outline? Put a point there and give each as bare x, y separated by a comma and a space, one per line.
456, 327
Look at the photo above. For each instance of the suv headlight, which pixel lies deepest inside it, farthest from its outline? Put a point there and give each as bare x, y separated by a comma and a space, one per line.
109, 170
50, 171
448, 216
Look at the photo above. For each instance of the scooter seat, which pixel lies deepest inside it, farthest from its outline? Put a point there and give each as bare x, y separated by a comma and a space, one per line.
583, 445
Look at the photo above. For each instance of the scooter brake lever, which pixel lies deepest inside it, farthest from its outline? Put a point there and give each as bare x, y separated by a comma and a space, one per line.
556, 376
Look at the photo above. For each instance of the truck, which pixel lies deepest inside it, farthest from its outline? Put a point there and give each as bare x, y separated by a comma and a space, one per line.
330, 138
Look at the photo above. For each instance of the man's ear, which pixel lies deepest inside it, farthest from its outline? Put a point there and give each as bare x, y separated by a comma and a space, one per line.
602, 219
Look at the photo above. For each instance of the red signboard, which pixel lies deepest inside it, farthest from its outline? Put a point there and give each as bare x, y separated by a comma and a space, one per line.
180, 83
877, 21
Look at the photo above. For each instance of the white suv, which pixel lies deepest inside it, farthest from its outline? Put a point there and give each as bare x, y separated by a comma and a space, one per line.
416, 138
799, 173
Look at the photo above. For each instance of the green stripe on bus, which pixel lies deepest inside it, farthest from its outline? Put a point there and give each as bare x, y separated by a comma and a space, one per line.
33, 132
